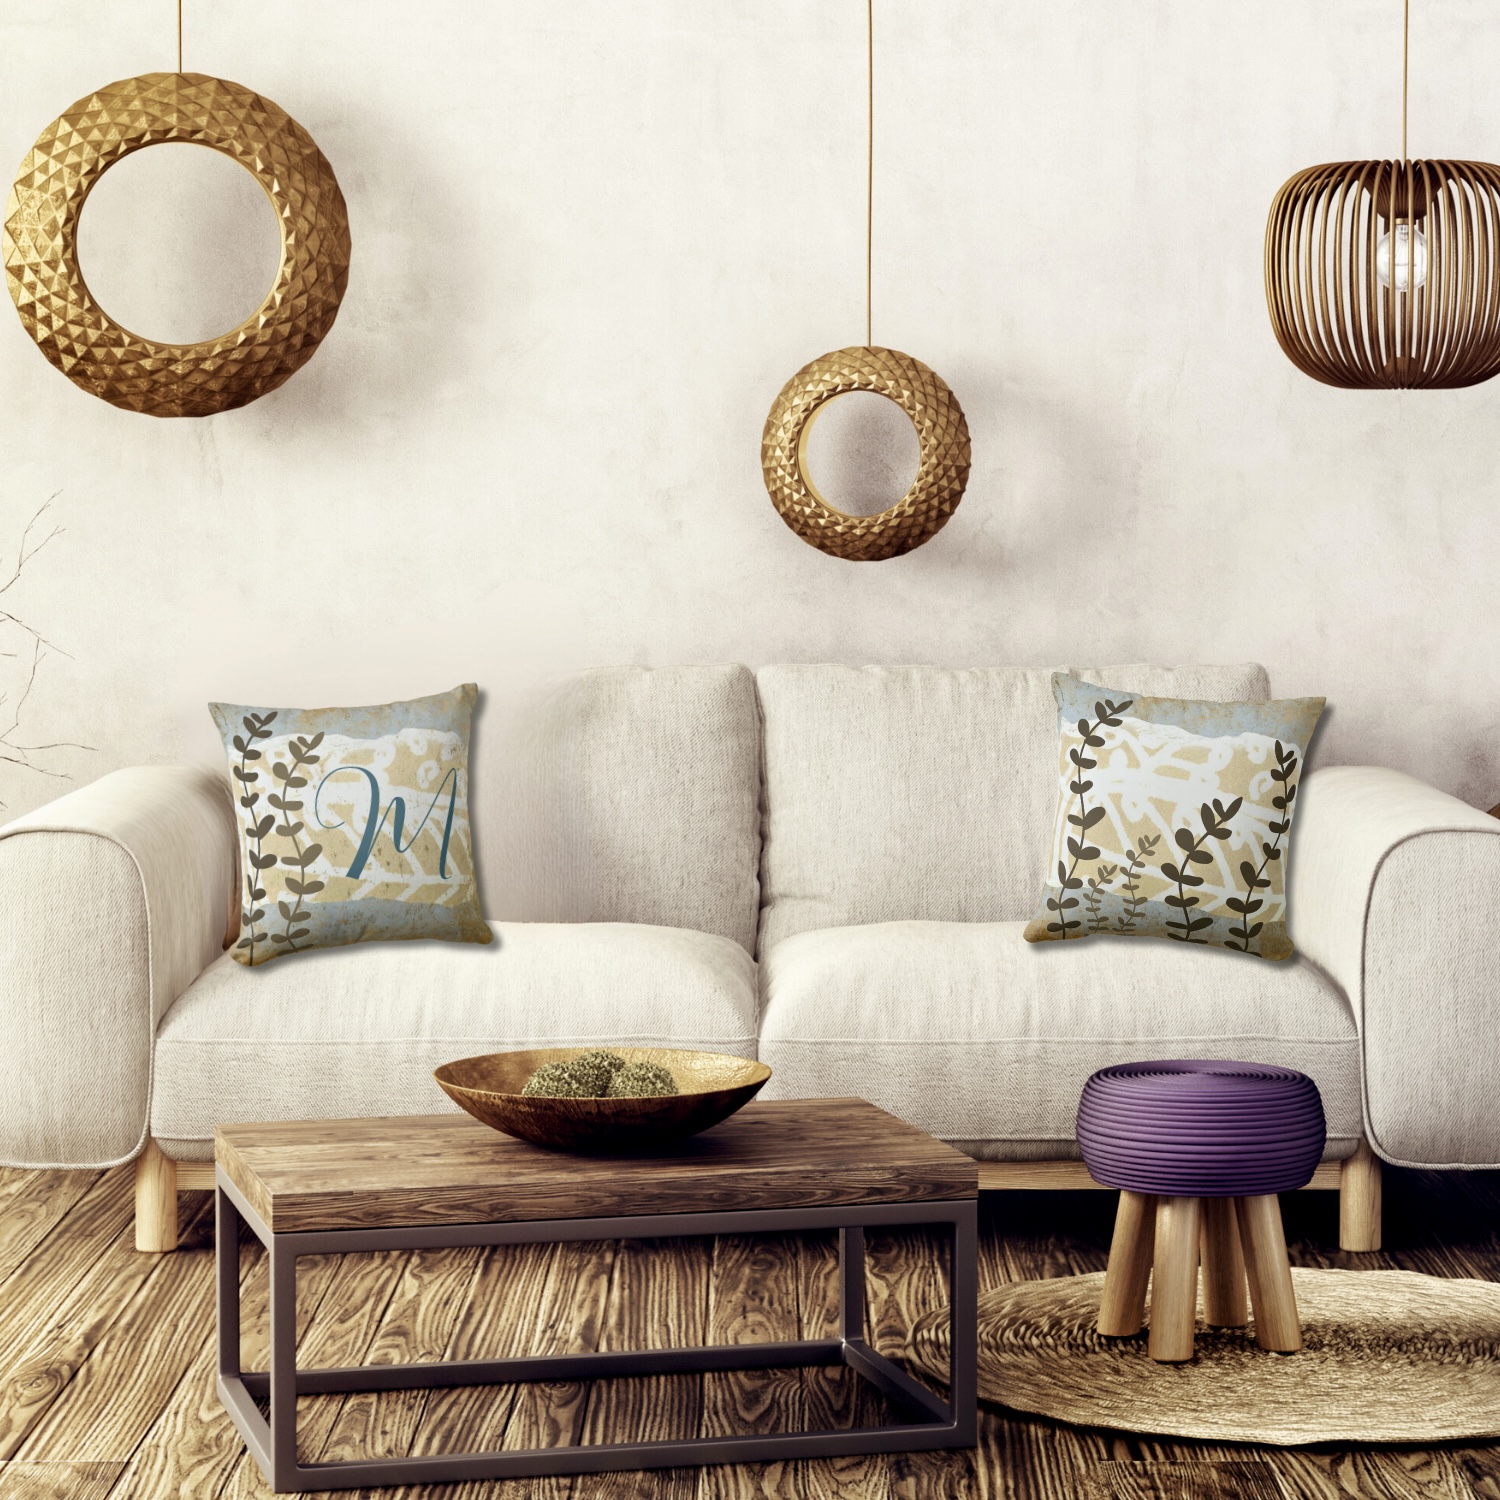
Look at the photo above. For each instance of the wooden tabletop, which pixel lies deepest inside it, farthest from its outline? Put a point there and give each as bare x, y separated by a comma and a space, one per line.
449, 1169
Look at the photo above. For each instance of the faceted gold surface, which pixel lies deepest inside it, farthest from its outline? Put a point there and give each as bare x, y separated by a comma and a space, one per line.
40, 245
942, 472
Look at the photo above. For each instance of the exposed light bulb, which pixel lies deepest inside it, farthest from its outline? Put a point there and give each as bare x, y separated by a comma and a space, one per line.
1410, 256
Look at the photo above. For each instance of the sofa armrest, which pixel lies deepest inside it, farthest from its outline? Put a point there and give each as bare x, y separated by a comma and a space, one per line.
112, 901
1395, 892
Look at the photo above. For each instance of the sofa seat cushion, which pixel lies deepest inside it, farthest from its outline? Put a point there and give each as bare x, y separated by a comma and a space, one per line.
985, 1040
357, 1031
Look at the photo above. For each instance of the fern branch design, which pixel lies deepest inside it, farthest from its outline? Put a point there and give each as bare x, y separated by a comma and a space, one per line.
300, 753
1083, 817
1255, 878
1216, 820
1131, 886
1097, 885
256, 828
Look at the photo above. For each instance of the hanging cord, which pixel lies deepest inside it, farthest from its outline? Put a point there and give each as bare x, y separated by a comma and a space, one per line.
1405, 55
179, 36
869, 157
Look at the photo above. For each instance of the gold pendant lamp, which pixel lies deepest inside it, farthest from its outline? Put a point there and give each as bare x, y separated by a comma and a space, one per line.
39, 245
1385, 275
942, 432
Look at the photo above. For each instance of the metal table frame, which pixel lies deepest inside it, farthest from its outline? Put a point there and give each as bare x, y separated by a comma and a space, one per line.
273, 1443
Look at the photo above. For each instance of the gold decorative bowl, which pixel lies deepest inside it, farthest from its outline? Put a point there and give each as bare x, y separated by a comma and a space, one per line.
713, 1085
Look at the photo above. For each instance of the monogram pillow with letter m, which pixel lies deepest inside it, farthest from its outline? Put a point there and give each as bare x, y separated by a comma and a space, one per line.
353, 824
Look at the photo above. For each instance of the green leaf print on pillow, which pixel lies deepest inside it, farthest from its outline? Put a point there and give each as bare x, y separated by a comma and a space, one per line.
1173, 819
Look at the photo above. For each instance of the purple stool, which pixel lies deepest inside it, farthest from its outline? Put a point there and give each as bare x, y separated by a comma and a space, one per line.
1199, 1151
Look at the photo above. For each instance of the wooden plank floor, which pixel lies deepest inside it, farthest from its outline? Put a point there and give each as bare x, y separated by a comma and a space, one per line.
106, 1360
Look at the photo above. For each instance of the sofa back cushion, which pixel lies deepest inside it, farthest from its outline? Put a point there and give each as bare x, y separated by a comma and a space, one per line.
631, 794
923, 793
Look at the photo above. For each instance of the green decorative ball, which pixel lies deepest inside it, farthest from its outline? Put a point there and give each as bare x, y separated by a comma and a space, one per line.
599, 1074
642, 1080
562, 1080
596, 1068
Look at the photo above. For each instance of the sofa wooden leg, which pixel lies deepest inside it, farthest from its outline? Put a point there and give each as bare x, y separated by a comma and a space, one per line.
1122, 1309
155, 1200
1359, 1200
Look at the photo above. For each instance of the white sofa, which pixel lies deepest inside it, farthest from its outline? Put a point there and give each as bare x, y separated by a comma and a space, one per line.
828, 867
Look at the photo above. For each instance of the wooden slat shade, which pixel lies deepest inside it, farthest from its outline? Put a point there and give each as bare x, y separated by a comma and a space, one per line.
1429, 326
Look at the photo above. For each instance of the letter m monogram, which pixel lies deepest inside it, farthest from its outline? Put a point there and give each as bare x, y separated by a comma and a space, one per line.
395, 812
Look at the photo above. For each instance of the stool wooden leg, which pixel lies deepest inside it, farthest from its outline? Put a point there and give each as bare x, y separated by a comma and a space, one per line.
1269, 1274
1223, 1266
1122, 1310
1174, 1279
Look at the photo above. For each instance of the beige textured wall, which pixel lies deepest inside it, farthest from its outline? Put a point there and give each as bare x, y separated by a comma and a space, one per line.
592, 239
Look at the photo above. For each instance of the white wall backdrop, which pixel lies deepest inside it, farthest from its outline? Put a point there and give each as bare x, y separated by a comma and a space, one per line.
591, 240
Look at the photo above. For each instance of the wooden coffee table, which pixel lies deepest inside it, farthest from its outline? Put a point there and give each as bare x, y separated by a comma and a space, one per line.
334, 1186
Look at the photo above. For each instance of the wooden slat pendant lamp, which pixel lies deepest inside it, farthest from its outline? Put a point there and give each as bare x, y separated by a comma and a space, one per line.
942, 431
1385, 275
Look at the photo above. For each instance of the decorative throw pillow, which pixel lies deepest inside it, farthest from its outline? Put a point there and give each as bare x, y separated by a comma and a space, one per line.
354, 823
1173, 818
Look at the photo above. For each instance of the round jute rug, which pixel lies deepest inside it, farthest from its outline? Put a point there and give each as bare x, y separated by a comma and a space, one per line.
1389, 1357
